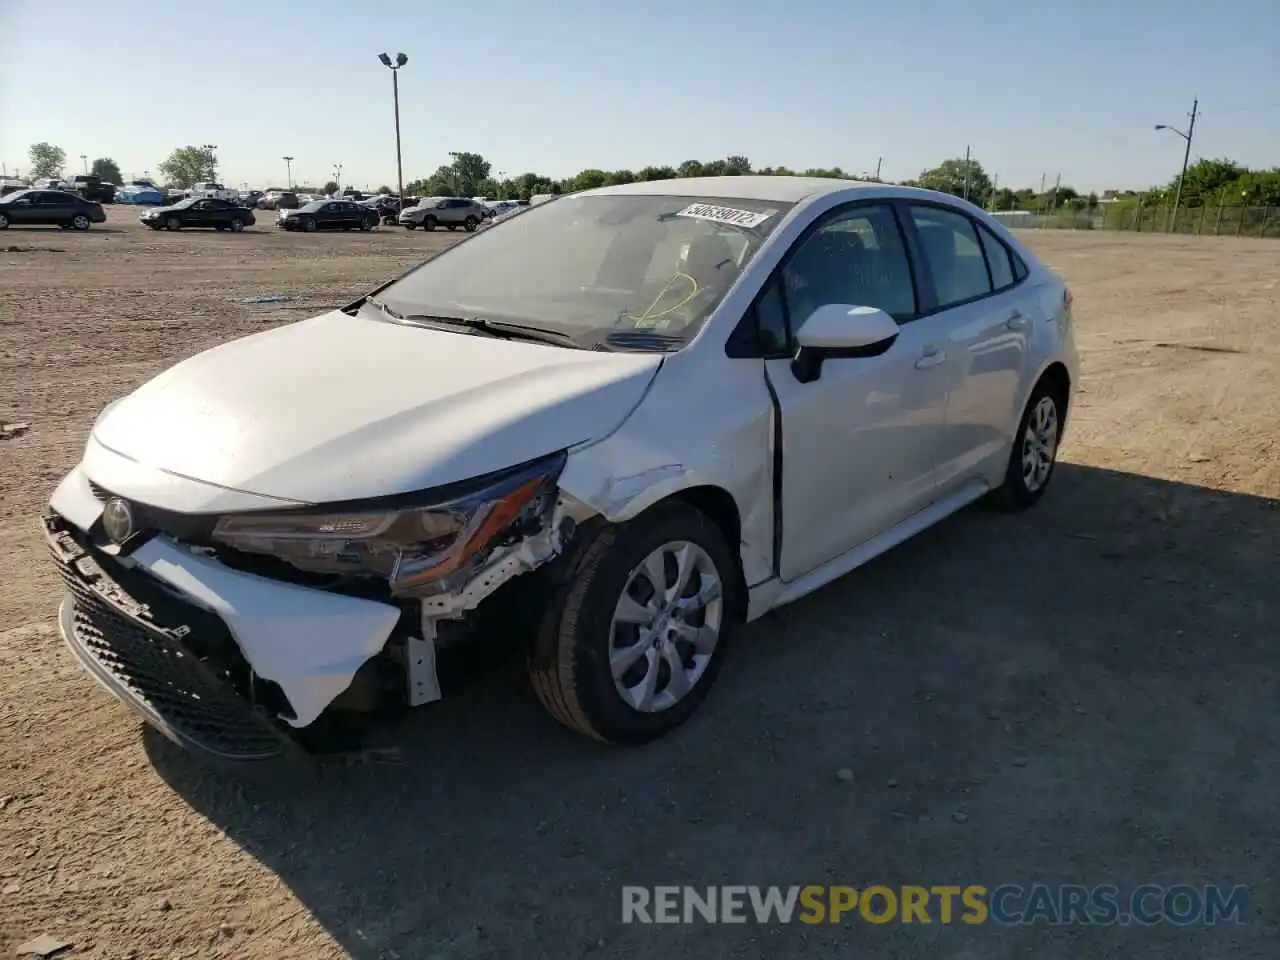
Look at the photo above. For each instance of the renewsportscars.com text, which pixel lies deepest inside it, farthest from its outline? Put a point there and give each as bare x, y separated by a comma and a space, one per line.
1008, 904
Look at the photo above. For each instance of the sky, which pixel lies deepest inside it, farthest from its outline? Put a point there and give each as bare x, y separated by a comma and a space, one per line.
1034, 89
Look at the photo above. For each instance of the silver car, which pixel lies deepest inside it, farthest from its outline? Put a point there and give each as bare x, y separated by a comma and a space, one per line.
451, 212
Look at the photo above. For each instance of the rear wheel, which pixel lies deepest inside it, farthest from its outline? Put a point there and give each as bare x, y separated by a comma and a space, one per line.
1035, 449
80, 222
237, 225
470, 223
367, 225
635, 638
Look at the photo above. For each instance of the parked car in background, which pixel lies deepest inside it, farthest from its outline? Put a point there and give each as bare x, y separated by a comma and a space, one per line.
49, 208
328, 215
92, 187
496, 208
250, 198
451, 212
8, 186
199, 212
208, 188
279, 200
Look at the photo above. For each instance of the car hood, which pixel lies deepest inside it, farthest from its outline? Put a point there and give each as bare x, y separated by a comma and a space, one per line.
342, 408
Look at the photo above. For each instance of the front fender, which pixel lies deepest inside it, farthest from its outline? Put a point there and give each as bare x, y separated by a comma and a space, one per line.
699, 425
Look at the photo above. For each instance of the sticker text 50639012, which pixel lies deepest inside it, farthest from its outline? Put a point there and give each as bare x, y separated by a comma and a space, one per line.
739, 218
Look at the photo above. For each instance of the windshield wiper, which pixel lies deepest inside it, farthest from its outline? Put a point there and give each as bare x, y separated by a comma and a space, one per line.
494, 328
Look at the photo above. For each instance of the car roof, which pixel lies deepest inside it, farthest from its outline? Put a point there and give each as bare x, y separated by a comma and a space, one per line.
773, 189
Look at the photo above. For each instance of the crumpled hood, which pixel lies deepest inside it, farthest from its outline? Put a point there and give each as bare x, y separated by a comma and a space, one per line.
342, 408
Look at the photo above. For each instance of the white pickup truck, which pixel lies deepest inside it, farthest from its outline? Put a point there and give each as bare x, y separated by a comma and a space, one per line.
212, 190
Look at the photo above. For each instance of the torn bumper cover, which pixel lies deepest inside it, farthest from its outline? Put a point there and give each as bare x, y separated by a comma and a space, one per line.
221, 658
180, 640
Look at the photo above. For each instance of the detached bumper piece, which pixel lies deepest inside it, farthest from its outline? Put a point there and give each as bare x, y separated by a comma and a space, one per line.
159, 654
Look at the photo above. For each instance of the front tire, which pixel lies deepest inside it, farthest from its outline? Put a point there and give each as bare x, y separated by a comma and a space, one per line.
309, 224
1035, 449
237, 225
622, 657
80, 222
471, 223
429, 223
173, 223
4, 221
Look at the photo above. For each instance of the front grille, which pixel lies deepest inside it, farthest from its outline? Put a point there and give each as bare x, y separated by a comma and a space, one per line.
145, 653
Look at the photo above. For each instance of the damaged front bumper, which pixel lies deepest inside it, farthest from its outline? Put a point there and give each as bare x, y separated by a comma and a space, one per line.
225, 661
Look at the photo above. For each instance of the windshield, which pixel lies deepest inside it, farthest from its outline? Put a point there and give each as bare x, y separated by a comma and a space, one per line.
596, 267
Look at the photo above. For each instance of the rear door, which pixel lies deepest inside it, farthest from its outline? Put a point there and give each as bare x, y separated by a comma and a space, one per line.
987, 320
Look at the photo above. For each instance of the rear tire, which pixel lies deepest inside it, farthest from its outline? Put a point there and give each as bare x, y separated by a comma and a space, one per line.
1035, 449
4, 221
587, 627
237, 225
411, 226
470, 223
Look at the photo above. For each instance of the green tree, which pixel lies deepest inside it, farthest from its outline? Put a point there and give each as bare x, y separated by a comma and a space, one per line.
736, 166
107, 170
45, 160
468, 171
330, 187
189, 165
620, 176
656, 173
588, 180
1208, 179
384, 191
690, 168
949, 177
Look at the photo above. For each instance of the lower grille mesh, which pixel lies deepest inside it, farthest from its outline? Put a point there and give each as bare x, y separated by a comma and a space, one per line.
145, 662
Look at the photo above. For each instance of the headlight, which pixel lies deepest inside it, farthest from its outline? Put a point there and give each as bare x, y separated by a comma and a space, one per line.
418, 548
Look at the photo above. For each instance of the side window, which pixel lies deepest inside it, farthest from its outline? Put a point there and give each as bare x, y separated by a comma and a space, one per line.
856, 257
773, 338
1019, 268
997, 259
950, 244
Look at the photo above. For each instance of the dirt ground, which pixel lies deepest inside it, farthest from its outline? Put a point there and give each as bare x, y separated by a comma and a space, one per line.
1085, 693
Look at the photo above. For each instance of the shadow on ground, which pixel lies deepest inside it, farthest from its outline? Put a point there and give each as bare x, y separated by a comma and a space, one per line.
1081, 694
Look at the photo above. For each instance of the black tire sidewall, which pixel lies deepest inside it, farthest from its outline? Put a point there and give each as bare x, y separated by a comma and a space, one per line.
1015, 486
591, 633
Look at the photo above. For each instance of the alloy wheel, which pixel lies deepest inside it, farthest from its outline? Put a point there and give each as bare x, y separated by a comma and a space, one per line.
1040, 444
666, 626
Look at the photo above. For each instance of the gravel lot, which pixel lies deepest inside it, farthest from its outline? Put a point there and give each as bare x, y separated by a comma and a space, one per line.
1084, 693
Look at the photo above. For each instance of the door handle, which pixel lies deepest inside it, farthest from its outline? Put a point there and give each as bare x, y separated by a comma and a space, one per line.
931, 357
1016, 321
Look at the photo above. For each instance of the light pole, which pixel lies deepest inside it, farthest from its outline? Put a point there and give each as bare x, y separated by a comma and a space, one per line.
84, 158
288, 169
502, 180
400, 61
1186, 157
337, 177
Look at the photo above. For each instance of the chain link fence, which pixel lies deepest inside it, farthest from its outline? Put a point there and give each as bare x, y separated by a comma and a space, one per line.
1217, 221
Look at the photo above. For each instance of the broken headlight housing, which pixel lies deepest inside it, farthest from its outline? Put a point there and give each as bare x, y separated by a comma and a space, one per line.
420, 545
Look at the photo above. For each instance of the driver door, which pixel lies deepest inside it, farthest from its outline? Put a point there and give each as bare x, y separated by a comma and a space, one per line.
862, 443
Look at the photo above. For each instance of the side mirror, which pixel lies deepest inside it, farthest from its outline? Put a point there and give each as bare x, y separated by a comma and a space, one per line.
839, 330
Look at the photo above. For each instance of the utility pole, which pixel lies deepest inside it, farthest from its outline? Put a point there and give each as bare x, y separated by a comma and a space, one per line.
1186, 157
878, 162
288, 166
995, 188
966, 171
1057, 184
84, 158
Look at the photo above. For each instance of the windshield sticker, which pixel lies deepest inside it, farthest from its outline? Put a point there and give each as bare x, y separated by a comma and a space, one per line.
739, 218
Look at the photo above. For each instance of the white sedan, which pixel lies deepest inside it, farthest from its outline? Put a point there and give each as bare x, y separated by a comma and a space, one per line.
631, 420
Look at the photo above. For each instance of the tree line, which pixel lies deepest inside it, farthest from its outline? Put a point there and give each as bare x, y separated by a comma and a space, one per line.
1207, 182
